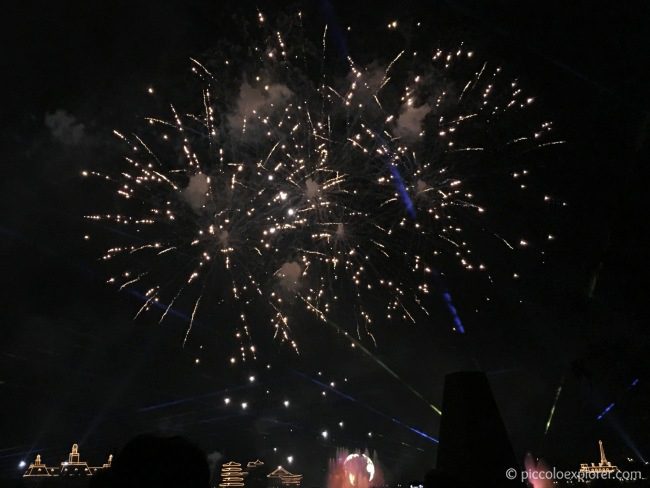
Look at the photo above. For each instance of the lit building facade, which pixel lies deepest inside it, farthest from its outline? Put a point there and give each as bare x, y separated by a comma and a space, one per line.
280, 478
593, 470
232, 476
39, 470
254, 475
73, 467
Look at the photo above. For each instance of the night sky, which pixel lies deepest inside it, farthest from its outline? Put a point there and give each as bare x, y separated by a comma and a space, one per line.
75, 367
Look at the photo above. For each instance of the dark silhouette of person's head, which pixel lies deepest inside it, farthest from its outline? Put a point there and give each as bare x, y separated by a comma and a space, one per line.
102, 479
161, 462
436, 478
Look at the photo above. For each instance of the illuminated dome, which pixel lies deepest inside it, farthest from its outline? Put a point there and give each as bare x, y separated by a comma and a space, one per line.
359, 469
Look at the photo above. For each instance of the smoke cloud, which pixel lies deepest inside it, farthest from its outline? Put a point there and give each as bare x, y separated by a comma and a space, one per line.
64, 128
289, 275
409, 122
195, 194
251, 99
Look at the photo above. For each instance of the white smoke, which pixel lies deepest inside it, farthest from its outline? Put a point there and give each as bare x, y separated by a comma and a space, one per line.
289, 275
251, 99
195, 194
224, 239
213, 459
312, 188
64, 128
340, 231
409, 122
421, 187
371, 79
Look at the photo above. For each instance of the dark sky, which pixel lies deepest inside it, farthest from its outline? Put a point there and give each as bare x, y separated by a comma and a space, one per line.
75, 367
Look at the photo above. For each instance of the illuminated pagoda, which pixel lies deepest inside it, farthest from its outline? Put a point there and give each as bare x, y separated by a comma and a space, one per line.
603, 467
254, 475
254, 464
257, 472
232, 475
38, 469
74, 466
280, 477
106, 465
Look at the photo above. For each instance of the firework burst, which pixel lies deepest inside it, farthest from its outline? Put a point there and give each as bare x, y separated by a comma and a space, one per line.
331, 194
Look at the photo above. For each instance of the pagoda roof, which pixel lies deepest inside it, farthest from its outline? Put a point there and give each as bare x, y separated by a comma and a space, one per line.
37, 468
231, 463
280, 472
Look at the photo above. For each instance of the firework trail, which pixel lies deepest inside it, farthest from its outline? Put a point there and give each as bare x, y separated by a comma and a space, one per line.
558, 392
368, 407
609, 407
383, 365
283, 194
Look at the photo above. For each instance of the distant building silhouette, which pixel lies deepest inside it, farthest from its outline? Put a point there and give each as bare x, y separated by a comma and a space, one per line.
150, 460
474, 445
